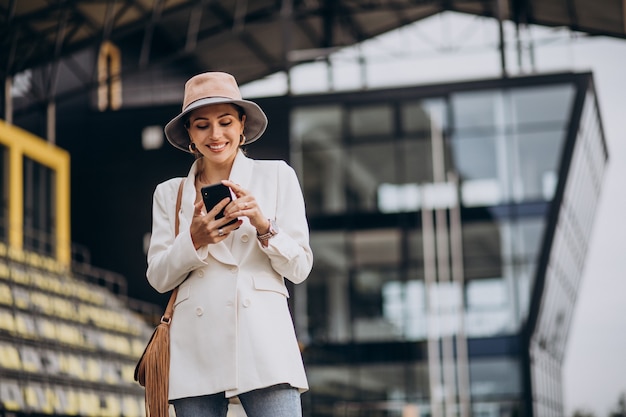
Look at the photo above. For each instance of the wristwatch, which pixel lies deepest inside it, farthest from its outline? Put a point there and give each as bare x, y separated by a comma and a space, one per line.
270, 233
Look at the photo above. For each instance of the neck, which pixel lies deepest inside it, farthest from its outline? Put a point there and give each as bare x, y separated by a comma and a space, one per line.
212, 173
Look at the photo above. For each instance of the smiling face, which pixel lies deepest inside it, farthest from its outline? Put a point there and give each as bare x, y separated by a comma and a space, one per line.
216, 132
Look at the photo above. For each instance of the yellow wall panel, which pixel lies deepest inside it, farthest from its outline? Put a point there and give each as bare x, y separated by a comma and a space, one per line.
21, 143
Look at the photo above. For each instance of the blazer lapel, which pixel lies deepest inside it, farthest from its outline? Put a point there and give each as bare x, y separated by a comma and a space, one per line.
241, 173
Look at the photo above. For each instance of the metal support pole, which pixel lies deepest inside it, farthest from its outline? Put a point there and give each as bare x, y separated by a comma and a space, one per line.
51, 125
432, 315
458, 277
8, 100
519, 48
499, 7
239, 20
195, 18
531, 50
286, 16
144, 56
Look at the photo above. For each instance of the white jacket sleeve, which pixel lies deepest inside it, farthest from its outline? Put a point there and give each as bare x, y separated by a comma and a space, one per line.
289, 251
170, 257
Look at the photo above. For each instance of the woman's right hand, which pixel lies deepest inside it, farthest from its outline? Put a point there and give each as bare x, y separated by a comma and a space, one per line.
205, 229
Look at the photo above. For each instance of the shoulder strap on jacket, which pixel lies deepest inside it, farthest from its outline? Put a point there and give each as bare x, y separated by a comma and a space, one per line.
169, 310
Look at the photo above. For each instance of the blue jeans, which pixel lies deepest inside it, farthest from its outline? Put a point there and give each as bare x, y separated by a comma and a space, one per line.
275, 401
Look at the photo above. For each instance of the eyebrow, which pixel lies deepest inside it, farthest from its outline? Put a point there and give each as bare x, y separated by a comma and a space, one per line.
206, 118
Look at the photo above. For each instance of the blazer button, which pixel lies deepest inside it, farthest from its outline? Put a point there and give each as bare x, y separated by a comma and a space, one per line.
201, 273
244, 238
199, 311
246, 302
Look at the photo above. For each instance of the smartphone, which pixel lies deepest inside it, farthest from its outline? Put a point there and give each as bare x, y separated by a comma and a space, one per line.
213, 194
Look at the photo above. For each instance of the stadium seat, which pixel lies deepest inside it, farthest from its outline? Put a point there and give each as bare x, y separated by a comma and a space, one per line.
7, 321
50, 361
41, 302
11, 396
89, 404
69, 334
34, 259
47, 329
138, 346
4, 270
31, 399
93, 371
76, 367
64, 308
73, 402
46, 399
118, 344
9, 357
25, 325
6, 297
31, 360
18, 274
21, 298
113, 406
128, 373
108, 371
131, 407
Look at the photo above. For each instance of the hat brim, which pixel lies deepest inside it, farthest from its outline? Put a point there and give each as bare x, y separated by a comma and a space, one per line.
256, 121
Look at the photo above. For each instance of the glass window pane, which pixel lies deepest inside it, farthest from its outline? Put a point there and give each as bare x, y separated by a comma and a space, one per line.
542, 104
494, 376
416, 119
415, 157
474, 157
316, 135
416, 249
482, 250
538, 156
376, 247
369, 165
476, 110
369, 323
373, 120
404, 305
327, 288
368, 390
316, 127
323, 181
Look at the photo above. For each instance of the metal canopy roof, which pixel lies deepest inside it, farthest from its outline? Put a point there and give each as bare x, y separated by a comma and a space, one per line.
252, 38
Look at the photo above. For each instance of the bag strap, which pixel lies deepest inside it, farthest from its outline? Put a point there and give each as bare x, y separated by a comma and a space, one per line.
169, 310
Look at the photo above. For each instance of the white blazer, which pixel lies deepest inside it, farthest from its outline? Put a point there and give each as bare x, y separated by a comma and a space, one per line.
232, 330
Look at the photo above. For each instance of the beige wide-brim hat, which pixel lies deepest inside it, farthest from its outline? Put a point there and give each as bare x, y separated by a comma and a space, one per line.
214, 88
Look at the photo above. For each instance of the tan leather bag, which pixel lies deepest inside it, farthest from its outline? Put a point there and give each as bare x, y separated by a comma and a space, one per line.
153, 368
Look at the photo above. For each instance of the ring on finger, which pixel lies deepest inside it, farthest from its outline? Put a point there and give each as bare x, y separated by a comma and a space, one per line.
220, 232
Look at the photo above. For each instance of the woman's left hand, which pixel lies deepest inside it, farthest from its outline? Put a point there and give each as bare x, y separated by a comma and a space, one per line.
245, 205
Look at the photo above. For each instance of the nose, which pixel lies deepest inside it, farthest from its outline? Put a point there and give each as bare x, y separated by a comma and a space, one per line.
216, 131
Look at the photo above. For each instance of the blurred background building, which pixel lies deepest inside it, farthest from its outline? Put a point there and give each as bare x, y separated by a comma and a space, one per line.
450, 221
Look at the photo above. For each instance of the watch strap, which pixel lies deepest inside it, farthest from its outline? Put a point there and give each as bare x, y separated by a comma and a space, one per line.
270, 234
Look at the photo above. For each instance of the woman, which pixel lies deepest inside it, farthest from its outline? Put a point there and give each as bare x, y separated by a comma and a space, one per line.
232, 334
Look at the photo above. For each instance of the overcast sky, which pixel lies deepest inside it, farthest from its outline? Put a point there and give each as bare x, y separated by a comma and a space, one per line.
455, 47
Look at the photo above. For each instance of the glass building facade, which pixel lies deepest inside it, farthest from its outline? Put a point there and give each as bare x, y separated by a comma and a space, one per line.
449, 225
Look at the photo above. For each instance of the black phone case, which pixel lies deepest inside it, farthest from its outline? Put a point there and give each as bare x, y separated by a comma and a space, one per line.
213, 194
